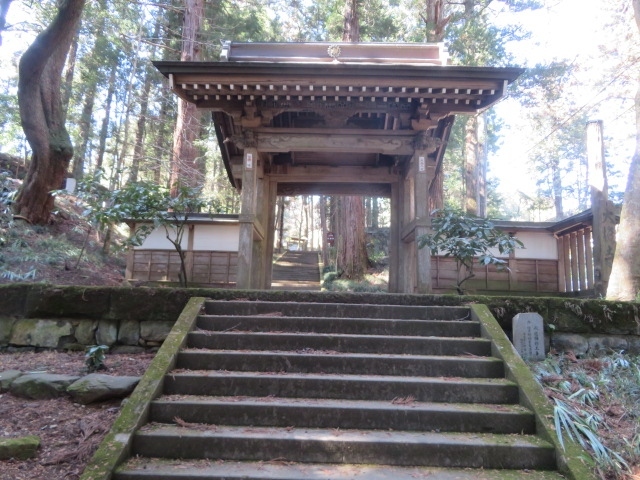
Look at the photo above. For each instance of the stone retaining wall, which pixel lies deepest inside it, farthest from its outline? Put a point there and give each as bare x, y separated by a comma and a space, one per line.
42, 316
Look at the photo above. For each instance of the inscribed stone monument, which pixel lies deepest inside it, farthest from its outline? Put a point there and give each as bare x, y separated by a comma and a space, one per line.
528, 336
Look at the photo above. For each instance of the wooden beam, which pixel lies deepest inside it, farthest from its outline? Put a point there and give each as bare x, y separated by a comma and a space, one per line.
324, 174
345, 142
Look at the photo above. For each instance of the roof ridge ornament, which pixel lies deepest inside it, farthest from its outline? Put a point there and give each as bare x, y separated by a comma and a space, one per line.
334, 52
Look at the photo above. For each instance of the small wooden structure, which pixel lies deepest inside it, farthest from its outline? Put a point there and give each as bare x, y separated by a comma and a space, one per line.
335, 119
211, 246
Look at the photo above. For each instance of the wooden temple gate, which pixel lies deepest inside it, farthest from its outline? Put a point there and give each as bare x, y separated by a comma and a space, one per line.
335, 119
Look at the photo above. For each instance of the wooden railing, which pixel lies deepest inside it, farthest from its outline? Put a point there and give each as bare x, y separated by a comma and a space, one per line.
520, 275
575, 258
211, 268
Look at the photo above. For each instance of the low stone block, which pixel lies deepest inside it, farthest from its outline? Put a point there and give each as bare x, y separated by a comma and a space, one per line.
20, 448
85, 332
41, 386
97, 387
129, 332
155, 331
605, 344
6, 325
7, 378
528, 336
634, 345
564, 342
107, 332
40, 332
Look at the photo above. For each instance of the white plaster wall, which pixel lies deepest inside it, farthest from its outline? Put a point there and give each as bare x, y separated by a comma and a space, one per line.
541, 246
222, 238
537, 246
157, 240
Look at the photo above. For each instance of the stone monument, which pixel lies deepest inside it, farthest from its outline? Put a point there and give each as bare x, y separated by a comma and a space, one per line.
528, 336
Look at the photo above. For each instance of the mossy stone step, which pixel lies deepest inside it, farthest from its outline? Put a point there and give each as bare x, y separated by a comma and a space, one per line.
340, 342
141, 468
451, 450
361, 326
308, 361
350, 387
398, 414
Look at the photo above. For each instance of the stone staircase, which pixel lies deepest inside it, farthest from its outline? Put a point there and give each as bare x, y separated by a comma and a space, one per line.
296, 271
284, 391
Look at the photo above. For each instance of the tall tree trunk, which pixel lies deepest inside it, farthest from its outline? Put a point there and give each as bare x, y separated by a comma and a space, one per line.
436, 21
42, 113
104, 130
4, 10
68, 75
161, 142
375, 213
129, 101
352, 255
183, 166
138, 149
556, 179
85, 129
624, 283
471, 166
91, 89
351, 238
323, 230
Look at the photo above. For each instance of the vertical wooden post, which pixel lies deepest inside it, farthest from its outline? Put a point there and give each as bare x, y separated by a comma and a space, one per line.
128, 272
562, 280
567, 263
604, 243
270, 231
247, 218
582, 264
424, 173
575, 275
188, 257
588, 241
394, 239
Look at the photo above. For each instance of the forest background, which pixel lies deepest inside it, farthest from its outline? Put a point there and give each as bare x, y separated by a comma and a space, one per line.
530, 150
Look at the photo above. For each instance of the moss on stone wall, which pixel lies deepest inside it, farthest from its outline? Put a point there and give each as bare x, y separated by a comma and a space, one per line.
165, 304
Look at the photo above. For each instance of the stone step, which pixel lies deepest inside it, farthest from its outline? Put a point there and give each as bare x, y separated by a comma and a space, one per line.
339, 343
361, 326
399, 414
350, 387
153, 468
343, 310
457, 450
343, 363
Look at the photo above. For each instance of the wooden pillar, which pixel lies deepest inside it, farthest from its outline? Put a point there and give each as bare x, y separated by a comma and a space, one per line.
562, 281
270, 227
424, 173
189, 254
582, 264
405, 217
573, 247
247, 218
567, 263
395, 239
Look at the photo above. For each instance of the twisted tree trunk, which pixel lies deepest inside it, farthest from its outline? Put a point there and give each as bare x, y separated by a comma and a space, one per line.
624, 283
42, 113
